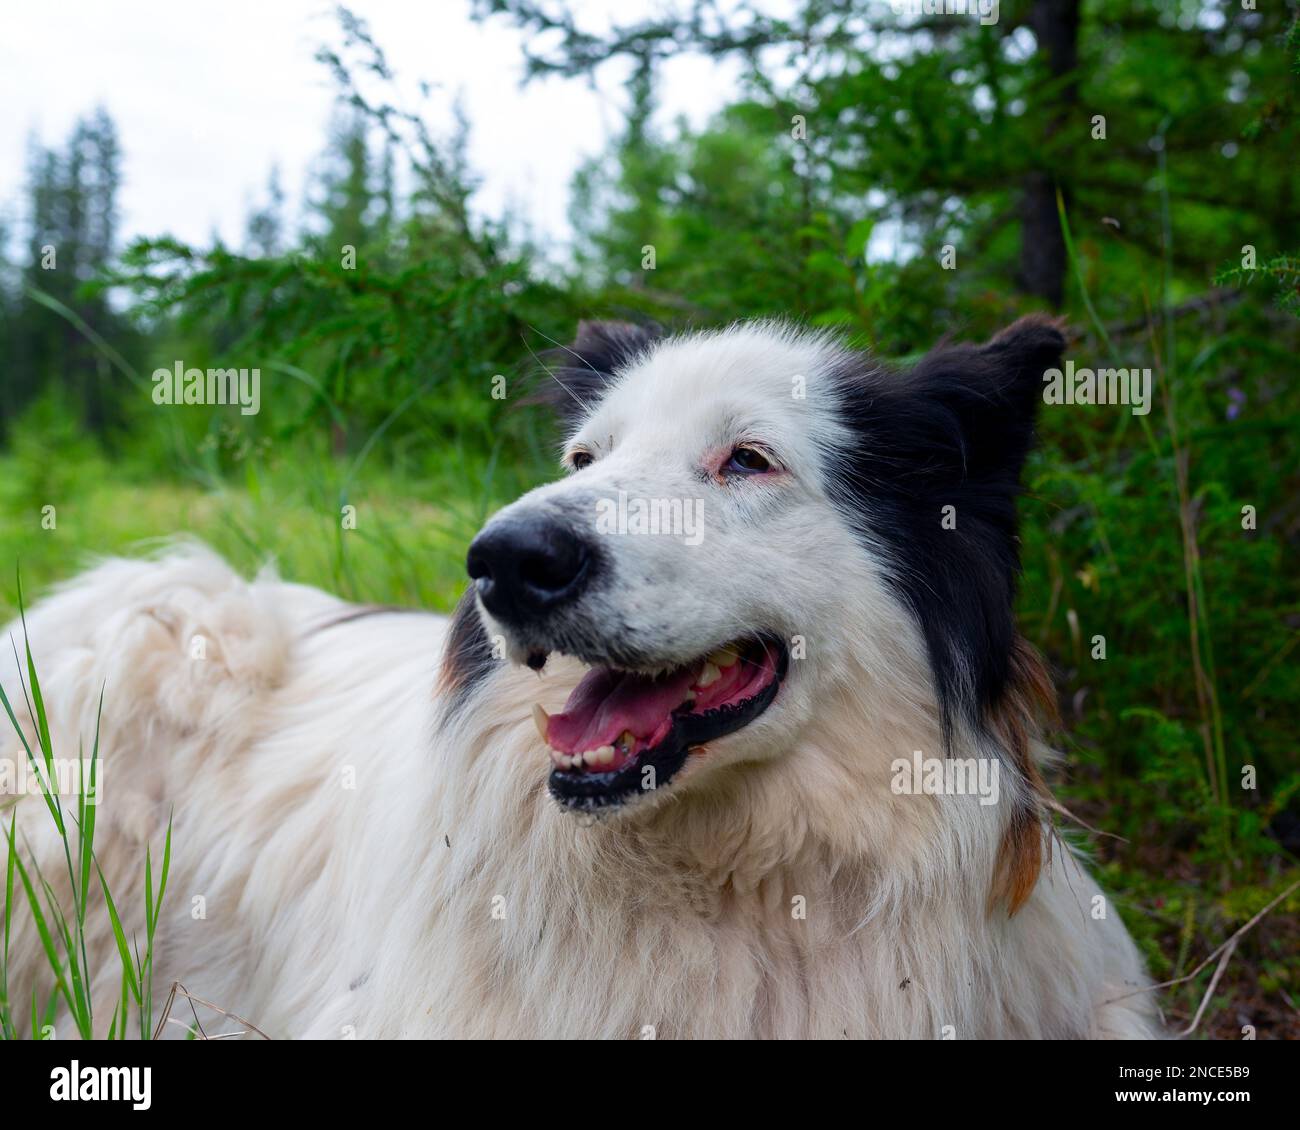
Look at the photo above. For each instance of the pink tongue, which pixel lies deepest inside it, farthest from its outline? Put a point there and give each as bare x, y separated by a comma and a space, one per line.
606, 703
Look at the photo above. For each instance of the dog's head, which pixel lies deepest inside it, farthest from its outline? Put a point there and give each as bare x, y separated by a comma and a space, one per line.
752, 522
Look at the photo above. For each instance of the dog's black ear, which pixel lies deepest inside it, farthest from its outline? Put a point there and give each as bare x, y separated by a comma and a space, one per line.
577, 375
981, 401
934, 475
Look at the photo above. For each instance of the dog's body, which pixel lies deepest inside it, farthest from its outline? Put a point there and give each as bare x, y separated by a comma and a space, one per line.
354, 855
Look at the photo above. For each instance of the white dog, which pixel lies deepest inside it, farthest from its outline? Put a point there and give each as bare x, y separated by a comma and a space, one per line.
732, 737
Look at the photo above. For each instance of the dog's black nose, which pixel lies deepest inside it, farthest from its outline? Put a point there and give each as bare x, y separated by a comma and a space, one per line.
527, 565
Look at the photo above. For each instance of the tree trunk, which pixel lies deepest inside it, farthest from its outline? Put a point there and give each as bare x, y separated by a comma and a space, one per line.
1055, 24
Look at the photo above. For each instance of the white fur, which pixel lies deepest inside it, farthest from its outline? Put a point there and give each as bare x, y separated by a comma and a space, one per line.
331, 910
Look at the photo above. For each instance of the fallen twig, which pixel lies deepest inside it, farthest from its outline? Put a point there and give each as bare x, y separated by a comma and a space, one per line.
1231, 941
1205, 1000
177, 987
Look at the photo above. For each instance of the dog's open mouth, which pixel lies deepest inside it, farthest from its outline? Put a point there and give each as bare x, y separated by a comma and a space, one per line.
622, 733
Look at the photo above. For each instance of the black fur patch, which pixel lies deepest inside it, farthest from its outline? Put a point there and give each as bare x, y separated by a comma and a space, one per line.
576, 376
954, 431
467, 659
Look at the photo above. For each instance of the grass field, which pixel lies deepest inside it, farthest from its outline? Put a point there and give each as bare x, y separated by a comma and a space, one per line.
382, 537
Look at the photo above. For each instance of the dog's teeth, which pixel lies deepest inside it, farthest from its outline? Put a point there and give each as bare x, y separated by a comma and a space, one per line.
576, 763
602, 756
708, 676
724, 657
690, 697
540, 718
627, 740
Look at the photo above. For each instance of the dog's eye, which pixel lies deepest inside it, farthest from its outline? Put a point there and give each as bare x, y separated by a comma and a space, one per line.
747, 461
580, 459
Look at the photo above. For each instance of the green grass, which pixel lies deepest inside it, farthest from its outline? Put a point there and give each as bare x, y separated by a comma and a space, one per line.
62, 928
405, 546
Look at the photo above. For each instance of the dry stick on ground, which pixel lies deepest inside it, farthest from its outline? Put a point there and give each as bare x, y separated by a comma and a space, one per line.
1228, 945
1205, 1000
177, 987
1287, 997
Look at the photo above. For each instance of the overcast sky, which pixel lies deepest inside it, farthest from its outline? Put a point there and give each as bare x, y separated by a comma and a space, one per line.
207, 96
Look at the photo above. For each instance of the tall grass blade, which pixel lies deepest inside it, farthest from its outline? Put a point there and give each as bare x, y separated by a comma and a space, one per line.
119, 936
